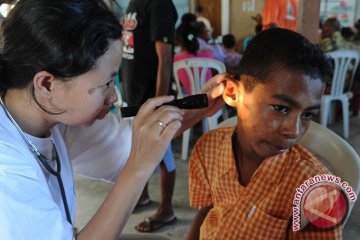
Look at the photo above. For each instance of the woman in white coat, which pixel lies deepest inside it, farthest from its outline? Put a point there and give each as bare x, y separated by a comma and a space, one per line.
58, 62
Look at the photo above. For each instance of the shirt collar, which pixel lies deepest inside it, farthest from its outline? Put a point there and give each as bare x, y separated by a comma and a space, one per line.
272, 168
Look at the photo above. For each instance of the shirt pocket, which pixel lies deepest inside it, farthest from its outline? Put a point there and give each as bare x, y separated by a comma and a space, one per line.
261, 225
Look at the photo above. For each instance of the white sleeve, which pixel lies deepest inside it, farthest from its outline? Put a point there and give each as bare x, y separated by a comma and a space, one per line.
27, 209
101, 150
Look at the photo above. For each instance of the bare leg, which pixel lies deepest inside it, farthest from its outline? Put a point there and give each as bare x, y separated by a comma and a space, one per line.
144, 196
167, 184
165, 211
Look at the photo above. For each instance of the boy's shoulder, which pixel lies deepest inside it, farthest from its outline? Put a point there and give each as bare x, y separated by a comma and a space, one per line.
214, 144
309, 163
217, 135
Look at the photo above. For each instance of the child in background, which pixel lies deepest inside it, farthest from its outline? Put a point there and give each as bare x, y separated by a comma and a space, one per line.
244, 178
231, 57
189, 47
203, 36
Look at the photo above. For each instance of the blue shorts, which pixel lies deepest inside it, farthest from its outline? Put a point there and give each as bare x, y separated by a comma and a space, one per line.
169, 159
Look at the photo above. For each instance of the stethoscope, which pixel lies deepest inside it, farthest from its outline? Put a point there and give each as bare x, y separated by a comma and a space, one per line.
43, 161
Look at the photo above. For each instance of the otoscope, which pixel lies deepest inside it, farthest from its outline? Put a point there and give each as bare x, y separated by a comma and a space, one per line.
191, 102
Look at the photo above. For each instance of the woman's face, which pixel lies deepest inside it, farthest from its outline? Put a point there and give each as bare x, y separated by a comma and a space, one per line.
89, 96
276, 114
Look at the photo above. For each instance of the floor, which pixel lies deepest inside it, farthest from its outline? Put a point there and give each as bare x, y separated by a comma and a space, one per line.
90, 194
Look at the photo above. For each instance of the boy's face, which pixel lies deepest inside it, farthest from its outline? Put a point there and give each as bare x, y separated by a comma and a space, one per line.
275, 114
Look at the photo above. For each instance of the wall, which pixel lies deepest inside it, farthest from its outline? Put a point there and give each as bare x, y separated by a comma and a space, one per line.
241, 11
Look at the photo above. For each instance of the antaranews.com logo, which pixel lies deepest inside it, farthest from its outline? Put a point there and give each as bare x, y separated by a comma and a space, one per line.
323, 200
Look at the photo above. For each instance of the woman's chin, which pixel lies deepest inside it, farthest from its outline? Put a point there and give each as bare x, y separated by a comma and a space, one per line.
103, 114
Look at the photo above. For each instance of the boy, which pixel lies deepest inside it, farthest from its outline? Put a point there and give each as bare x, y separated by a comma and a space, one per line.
244, 178
231, 57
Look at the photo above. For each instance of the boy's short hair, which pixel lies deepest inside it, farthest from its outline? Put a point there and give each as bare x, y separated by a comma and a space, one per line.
229, 41
275, 49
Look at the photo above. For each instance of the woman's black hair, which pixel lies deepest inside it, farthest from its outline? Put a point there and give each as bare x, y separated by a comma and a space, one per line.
275, 49
62, 37
186, 37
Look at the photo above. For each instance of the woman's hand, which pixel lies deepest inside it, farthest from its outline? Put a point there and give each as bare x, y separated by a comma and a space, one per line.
153, 129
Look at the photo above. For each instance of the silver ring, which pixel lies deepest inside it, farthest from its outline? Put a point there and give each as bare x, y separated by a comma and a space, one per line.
161, 124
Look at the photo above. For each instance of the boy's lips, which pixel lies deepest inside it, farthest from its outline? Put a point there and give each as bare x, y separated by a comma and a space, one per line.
279, 148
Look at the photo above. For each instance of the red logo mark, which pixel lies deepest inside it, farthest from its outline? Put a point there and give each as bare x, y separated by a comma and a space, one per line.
325, 206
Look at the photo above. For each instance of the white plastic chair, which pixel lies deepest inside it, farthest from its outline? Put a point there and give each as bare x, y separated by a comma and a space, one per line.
343, 60
196, 69
337, 154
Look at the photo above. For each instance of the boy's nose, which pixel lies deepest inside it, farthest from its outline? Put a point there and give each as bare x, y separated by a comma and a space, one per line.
291, 127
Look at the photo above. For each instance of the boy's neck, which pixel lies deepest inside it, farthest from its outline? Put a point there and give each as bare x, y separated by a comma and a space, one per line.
245, 165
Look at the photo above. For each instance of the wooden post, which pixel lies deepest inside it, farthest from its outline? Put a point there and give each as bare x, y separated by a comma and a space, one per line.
308, 19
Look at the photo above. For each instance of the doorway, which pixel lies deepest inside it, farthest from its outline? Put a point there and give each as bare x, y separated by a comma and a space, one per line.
212, 11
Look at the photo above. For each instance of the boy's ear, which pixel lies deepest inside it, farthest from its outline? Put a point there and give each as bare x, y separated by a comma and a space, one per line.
231, 91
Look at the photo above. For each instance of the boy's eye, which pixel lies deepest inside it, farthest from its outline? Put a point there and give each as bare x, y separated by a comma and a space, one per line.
281, 109
309, 115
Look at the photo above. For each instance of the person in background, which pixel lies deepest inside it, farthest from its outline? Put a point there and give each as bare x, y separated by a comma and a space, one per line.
203, 36
232, 58
188, 18
244, 178
357, 33
283, 13
331, 38
347, 33
149, 39
189, 48
258, 28
199, 12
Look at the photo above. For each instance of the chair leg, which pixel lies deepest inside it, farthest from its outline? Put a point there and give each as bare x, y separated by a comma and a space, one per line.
185, 144
324, 112
345, 110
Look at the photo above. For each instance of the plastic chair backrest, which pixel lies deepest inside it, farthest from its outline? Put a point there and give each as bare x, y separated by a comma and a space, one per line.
343, 61
329, 147
196, 68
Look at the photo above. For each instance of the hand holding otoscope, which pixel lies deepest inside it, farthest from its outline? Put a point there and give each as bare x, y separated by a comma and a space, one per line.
190, 102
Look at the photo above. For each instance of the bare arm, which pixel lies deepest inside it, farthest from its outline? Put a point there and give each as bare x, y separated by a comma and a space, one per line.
149, 143
194, 232
164, 71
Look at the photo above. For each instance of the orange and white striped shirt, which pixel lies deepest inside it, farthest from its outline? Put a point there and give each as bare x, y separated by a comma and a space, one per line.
262, 209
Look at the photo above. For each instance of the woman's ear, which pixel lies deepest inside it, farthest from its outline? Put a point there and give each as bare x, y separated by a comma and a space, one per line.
231, 92
44, 84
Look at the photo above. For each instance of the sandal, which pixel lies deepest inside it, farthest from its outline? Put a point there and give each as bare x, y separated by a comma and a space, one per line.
150, 225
